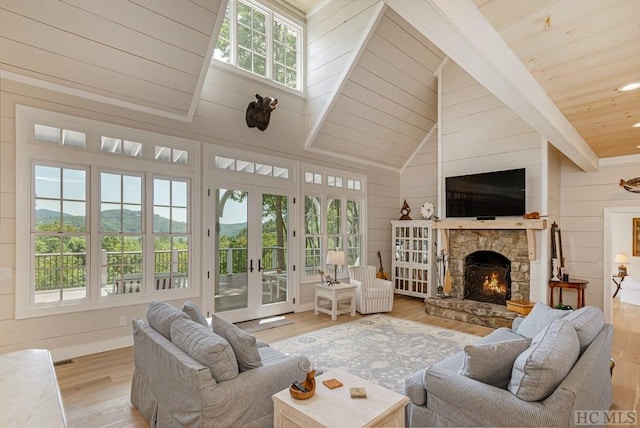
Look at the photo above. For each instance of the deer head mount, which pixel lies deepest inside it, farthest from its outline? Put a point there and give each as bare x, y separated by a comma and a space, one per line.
259, 112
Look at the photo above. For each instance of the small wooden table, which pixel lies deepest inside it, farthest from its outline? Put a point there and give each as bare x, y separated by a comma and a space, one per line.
336, 408
341, 298
575, 284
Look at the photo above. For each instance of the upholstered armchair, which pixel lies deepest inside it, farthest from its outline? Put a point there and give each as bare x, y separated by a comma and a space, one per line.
372, 294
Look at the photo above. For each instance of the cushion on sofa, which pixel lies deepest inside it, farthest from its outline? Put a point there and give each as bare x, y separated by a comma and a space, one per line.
491, 363
539, 317
206, 347
542, 367
588, 322
244, 345
194, 313
160, 315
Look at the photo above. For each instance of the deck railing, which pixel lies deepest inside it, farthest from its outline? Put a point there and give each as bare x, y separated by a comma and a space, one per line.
69, 270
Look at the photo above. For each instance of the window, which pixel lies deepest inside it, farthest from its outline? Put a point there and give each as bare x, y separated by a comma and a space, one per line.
60, 233
261, 42
100, 233
332, 219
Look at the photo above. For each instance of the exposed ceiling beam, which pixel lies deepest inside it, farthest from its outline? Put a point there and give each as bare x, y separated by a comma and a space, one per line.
460, 30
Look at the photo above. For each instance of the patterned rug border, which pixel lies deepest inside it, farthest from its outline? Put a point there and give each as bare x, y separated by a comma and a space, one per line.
379, 348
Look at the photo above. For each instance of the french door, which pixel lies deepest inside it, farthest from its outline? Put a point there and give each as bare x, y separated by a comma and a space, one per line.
252, 252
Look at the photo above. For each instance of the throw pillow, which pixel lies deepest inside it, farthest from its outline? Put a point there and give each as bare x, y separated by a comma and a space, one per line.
588, 322
160, 315
194, 313
539, 317
491, 363
539, 370
205, 347
244, 345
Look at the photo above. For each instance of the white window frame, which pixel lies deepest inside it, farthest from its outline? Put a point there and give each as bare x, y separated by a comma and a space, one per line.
272, 16
322, 184
30, 152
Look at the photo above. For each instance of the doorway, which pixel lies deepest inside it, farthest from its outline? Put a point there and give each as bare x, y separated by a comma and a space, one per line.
252, 252
618, 237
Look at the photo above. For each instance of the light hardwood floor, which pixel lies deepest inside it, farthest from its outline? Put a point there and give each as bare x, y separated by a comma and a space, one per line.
95, 388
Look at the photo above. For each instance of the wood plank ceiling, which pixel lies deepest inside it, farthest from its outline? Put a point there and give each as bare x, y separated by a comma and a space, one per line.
580, 52
153, 56
145, 54
388, 103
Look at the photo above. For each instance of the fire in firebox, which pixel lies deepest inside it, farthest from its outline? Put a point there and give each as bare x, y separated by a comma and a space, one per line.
487, 277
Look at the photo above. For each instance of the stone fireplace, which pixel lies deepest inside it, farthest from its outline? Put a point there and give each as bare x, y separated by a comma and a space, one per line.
487, 267
508, 247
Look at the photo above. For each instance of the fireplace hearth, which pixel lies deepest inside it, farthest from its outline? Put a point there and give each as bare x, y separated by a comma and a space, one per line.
487, 277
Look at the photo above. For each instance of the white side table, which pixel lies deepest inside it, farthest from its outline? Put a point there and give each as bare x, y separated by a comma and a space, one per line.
335, 299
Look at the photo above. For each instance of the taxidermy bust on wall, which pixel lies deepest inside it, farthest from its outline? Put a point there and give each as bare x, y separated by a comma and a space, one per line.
259, 112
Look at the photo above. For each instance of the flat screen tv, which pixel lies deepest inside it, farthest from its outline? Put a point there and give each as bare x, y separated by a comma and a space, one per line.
486, 195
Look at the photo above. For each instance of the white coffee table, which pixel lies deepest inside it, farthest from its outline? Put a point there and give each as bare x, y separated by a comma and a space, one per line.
335, 299
336, 408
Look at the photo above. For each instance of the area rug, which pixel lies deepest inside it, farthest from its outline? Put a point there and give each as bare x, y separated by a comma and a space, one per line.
378, 348
263, 324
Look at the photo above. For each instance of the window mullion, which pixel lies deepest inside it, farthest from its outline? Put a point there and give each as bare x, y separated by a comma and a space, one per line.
233, 32
269, 46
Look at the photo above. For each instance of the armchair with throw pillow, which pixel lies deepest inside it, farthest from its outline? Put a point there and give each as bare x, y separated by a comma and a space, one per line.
372, 294
188, 373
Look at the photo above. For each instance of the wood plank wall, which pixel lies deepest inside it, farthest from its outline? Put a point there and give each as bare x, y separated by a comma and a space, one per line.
584, 197
480, 134
219, 120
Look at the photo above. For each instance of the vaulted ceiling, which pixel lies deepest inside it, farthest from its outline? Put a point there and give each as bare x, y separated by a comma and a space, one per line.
559, 64
144, 54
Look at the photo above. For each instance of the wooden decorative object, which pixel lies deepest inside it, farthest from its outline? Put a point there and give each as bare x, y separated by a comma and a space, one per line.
404, 211
259, 112
636, 237
632, 185
522, 307
309, 383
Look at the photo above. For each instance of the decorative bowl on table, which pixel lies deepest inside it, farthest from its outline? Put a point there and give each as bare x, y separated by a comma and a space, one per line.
309, 384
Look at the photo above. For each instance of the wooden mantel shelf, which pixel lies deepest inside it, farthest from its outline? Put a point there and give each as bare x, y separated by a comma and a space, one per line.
460, 224
537, 224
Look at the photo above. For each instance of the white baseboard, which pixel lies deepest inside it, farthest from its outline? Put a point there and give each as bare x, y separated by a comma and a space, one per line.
73, 351
306, 307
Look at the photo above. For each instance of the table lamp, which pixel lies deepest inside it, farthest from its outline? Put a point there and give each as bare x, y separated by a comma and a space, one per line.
335, 258
621, 259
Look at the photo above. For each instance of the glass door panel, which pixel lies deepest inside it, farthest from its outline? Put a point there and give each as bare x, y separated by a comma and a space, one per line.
232, 239
275, 253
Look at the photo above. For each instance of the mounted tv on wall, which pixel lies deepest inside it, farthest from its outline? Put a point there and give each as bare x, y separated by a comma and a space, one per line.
486, 195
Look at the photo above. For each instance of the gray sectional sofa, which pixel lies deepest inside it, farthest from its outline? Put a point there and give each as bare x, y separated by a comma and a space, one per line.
538, 373
190, 374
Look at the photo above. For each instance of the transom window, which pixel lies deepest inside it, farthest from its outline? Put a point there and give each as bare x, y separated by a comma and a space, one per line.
261, 42
98, 233
250, 167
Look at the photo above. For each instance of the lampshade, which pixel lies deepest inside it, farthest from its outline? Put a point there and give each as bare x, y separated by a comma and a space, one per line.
335, 257
621, 258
